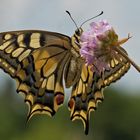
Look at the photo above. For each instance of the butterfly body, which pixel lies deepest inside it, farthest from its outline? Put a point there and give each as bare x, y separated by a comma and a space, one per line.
39, 60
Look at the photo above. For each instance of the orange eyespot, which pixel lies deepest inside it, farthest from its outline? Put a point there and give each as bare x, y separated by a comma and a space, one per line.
59, 99
71, 103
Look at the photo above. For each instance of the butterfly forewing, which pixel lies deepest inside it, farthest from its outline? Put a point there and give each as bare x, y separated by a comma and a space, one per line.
36, 59
17, 45
118, 67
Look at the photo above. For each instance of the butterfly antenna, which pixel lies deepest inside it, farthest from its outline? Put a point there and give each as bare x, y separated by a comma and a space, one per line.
91, 18
72, 19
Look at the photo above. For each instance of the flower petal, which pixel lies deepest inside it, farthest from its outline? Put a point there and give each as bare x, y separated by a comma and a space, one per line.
96, 45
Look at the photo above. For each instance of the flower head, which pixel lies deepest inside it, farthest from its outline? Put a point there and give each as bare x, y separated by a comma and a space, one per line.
97, 45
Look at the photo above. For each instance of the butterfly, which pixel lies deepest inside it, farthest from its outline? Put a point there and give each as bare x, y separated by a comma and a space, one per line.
40, 60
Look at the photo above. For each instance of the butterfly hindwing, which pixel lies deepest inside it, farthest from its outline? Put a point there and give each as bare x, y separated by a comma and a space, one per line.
80, 103
88, 91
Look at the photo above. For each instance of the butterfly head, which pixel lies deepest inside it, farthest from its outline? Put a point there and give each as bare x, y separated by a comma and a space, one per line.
79, 31
76, 37
77, 34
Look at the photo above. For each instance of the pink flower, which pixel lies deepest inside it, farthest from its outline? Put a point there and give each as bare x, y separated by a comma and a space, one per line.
100, 27
96, 46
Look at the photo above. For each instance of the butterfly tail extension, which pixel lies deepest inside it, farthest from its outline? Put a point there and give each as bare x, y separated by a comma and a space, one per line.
81, 108
83, 100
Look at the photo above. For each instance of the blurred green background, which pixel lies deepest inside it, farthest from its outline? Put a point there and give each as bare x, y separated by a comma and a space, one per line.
118, 117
